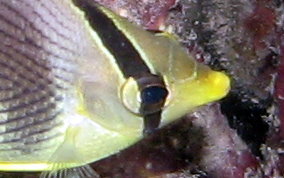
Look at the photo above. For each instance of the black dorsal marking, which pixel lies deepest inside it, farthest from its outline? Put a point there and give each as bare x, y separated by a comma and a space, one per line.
127, 57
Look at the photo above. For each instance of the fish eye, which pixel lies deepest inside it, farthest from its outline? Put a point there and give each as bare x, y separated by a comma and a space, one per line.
153, 94
145, 95
152, 99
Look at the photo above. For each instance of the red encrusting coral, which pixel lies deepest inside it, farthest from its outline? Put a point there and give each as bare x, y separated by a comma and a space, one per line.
260, 24
280, 91
224, 154
156, 14
149, 14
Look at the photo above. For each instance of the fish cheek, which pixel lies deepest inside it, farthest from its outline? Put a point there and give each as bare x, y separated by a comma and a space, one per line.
102, 104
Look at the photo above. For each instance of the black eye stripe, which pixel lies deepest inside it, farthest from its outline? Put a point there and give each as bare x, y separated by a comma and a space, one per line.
152, 83
153, 94
152, 104
152, 110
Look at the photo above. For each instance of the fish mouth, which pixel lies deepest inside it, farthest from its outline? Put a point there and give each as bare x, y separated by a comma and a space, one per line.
220, 83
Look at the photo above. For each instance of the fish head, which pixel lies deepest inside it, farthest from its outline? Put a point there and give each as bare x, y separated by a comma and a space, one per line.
190, 84
160, 84
180, 83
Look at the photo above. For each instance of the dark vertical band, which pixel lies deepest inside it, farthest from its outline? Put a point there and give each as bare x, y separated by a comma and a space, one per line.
127, 58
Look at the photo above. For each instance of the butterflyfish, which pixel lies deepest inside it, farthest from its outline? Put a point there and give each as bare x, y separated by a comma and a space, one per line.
79, 83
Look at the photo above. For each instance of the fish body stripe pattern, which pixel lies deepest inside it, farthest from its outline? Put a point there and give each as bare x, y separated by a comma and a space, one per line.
37, 63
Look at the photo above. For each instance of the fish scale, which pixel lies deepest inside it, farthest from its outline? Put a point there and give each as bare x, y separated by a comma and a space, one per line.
31, 58
49, 33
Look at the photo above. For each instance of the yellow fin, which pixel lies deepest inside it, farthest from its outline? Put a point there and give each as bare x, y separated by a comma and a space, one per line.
77, 172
